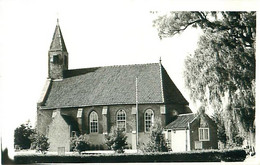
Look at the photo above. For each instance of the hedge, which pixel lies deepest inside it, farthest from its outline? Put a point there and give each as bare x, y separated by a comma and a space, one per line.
192, 156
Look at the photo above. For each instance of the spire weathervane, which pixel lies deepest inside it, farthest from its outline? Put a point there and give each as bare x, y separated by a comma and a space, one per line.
57, 18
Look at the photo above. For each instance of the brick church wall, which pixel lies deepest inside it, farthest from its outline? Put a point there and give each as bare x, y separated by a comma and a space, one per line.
106, 121
112, 111
44, 118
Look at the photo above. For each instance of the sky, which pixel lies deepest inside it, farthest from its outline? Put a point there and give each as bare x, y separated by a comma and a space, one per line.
96, 33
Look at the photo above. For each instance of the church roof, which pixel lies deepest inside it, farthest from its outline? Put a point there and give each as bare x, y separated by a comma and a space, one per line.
113, 85
182, 121
57, 40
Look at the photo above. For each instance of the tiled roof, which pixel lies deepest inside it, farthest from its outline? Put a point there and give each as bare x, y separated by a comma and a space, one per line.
57, 40
181, 122
171, 92
113, 85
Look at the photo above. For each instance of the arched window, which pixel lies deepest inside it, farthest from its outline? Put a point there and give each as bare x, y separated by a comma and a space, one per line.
93, 122
148, 119
121, 119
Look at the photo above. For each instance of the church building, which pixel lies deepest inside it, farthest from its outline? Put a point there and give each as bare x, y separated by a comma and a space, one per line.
93, 100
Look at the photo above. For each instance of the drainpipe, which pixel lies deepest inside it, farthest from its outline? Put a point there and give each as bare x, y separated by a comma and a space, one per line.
137, 143
188, 138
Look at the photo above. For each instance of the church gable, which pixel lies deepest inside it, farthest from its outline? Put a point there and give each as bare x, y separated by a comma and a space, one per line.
59, 132
171, 92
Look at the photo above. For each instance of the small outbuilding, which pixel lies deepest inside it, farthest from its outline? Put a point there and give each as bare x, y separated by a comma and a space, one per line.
191, 132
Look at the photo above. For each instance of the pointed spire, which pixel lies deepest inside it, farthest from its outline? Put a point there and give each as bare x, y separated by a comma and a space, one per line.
160, 61
57, 40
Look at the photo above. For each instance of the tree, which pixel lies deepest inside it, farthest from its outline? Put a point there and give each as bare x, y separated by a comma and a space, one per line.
22, 134
116, 140
80, 143
221, 72
40, 143
5, 157
157, 142
221, 131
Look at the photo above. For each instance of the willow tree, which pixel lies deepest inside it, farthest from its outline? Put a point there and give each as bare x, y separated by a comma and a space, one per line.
221, 71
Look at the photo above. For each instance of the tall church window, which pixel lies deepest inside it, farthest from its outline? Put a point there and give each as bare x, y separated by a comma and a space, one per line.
121, 119
93, 119
148, 119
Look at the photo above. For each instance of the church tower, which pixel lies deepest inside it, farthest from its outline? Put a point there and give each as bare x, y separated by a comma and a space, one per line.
57, 56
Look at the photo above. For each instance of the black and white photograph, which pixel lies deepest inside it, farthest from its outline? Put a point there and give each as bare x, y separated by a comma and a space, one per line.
128, 81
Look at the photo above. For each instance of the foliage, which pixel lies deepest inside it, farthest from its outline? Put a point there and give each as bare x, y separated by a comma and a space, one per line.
233, 155
116, 140
242, 25
22, 134
221, 72
80, 143
237, 139
40, 143
157, 142
192, 156
221, 131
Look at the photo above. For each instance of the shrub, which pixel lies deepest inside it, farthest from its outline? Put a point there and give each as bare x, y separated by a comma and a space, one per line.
80, 143
116, 140
191, 156
21, 136
40, 143
233, 155
238, 140
157, 142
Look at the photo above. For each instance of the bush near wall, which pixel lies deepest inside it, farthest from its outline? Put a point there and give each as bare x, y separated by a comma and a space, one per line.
233, 155
193, 156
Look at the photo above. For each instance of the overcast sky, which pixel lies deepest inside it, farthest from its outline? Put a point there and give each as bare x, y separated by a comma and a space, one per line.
99, 33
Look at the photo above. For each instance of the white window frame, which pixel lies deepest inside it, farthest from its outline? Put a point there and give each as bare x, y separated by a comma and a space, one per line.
79, 113
198, 145
202, 134
148, 120
54, 58
121, 119
93, 119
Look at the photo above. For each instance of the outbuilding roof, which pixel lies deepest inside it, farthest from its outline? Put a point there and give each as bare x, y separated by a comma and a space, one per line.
182, 121
112, 85
70, 121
